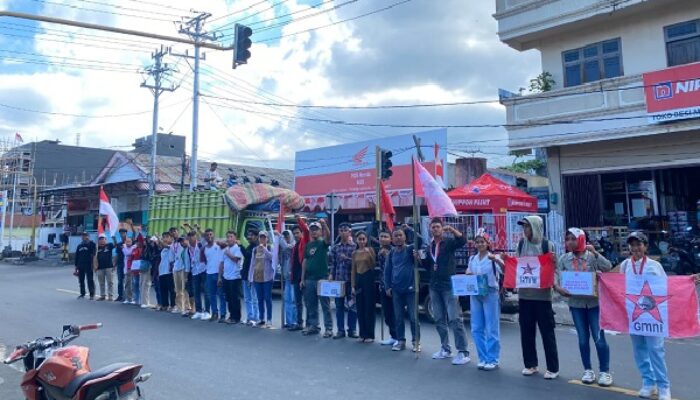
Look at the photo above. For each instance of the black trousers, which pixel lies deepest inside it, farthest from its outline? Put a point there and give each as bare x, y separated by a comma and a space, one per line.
167, 290
299, 300
366, 303
534, 314
233, 292
86, 273
388, 310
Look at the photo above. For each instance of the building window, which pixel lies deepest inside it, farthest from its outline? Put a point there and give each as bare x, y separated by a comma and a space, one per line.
683, 43
593, 62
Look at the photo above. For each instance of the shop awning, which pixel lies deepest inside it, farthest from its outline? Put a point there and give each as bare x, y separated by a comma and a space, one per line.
487, 193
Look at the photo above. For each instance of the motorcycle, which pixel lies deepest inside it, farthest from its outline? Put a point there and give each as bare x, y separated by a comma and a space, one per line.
56, 371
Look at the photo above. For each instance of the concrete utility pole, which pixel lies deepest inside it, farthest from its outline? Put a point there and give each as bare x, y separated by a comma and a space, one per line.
194, 29
158, 71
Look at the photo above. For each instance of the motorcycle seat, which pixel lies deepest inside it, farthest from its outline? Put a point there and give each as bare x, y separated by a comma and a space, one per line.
79, 381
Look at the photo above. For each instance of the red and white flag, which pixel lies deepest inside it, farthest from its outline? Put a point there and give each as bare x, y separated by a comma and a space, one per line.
439, 204
107, 210
439, 169
280, 219
649, 305
536, 272
18, 137
387, 208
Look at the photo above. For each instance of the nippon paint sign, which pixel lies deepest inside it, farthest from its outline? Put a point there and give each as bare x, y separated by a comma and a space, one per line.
350, 168
673, 94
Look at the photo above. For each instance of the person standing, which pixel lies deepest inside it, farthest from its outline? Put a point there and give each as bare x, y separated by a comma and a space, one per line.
119, 249
399, 282
535, 305
341, 267
84, 265
313, 269
262, 273
199, 277
165, 274
446, 308
286, 247
180, 269
363, 286
249, 296
387, 302
105, 268
486, 309
135, 273
148, 264
230, 277
213, 258
128, 250
301, 238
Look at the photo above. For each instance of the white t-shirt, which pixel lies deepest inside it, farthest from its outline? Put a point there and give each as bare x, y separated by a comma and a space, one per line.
484, 266
232, 269
651, 267
214, 256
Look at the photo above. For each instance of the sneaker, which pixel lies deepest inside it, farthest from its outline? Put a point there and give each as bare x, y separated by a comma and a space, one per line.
551, 375
647, 391
214, 317
197, 315
490, 366
442, 354
398, 346
352, 334
665, 394
133, 303
92, 297
327, 334
260, 323
460, 359
109, 298
295, 328
605, 379
144, 306
125, 302
222, 321
339, 335
119, 298
82, 296
415, 348
185, 315
205, 316
175, 310
101, 298
388, 342
310, 332
268, 325
529, 371
480, 365
588, 377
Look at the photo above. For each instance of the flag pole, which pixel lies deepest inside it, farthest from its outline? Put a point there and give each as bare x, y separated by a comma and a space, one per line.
416, 277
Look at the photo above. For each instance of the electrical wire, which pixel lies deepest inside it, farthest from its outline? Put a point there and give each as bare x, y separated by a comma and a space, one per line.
63, 114
294, 21
255, 13
95, 10
78, 43
237, 12
120, 7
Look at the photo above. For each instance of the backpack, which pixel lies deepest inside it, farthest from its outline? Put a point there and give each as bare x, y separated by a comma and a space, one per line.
545, 246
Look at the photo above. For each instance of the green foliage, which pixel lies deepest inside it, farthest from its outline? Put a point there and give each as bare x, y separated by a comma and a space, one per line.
544, 82
526, 167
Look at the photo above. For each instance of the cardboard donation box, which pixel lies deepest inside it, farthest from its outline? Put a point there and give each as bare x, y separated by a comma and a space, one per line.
580, 283
470, 285
331, 288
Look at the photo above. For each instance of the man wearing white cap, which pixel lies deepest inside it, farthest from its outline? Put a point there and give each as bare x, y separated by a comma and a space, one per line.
105, 268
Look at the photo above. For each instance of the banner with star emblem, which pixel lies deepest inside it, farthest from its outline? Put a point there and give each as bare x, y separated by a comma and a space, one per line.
529, 272
649, 305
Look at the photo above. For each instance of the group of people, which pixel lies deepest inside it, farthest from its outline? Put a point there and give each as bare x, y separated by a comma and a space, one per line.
203, 279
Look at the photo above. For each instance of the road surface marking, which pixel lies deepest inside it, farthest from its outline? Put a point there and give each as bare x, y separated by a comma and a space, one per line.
68, 291
615, 389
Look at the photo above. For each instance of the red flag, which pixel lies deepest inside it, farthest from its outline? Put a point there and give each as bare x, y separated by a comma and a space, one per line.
439, 204
107, 210
649, 305
388, 211
18, 137
280, 219
536, 272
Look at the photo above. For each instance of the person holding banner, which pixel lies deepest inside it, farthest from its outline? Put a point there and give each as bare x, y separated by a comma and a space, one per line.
262, 273
399, 283
313, 269
535, 305
486, 309
362, 279
341, 267
446, 309
583, 260
387, 303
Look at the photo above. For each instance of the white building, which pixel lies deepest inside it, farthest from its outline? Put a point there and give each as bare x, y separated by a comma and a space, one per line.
612, 164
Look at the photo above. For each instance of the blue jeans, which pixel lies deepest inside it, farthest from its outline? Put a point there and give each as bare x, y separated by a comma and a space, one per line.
251, 301
136, 287
311, 300
120, 281
404, 303
290, 305
447, 311
264, 292
486, 314
156, 287
200, 292
587, 322
340, 311
649, 354
215, 292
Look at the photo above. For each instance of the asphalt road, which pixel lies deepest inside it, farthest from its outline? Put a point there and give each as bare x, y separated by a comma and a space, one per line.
202, 360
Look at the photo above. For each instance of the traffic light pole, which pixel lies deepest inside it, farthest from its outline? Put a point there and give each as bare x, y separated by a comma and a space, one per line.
378, 203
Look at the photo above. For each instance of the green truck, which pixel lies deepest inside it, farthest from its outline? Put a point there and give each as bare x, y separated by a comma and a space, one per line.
208, 209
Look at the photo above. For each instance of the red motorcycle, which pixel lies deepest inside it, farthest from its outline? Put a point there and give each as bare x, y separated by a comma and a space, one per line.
55, 371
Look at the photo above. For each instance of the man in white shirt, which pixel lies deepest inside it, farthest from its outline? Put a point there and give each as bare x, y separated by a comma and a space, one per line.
230, 277
214, 258
212, 178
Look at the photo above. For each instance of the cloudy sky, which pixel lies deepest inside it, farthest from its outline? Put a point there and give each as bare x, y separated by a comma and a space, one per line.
419, 51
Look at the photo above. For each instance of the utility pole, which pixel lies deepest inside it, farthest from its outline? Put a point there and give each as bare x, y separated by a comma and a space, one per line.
158, 71
194, 29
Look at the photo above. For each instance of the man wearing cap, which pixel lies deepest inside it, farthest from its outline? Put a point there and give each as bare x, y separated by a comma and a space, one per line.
119, 247
84, 261
341, 267
105, 268
313, 269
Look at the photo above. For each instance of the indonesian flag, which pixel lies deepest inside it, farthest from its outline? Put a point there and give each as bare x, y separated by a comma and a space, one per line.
649, 305
536, 272
439, 204
280, 219
388, 211
107, 210
439, 170
18, 137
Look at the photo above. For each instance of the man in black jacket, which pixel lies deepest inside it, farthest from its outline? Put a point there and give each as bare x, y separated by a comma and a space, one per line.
84, 260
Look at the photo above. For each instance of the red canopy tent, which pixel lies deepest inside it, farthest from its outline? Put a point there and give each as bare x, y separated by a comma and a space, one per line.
489, 194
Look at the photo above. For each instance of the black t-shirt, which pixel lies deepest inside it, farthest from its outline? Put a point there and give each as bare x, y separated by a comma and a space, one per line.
84, 254
247, 256
104, 256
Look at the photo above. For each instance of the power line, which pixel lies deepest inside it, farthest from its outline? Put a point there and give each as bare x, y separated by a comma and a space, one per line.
255, 13
104, 4
293, 21
168, 6
238, 12
311, 7
337, 22
77, 43
70, 58
95, 10
131, 114
70, 65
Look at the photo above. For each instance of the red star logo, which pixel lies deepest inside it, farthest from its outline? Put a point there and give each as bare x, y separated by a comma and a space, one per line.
527, 269
646, 302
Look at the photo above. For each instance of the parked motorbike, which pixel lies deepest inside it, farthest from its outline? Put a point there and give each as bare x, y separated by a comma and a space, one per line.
607, 249
56, 371
685, 256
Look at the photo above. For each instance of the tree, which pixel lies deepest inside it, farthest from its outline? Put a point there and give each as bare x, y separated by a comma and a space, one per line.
526, 167
544, 82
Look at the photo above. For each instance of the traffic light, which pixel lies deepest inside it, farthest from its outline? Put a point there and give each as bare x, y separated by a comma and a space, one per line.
241, 52
386, 164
